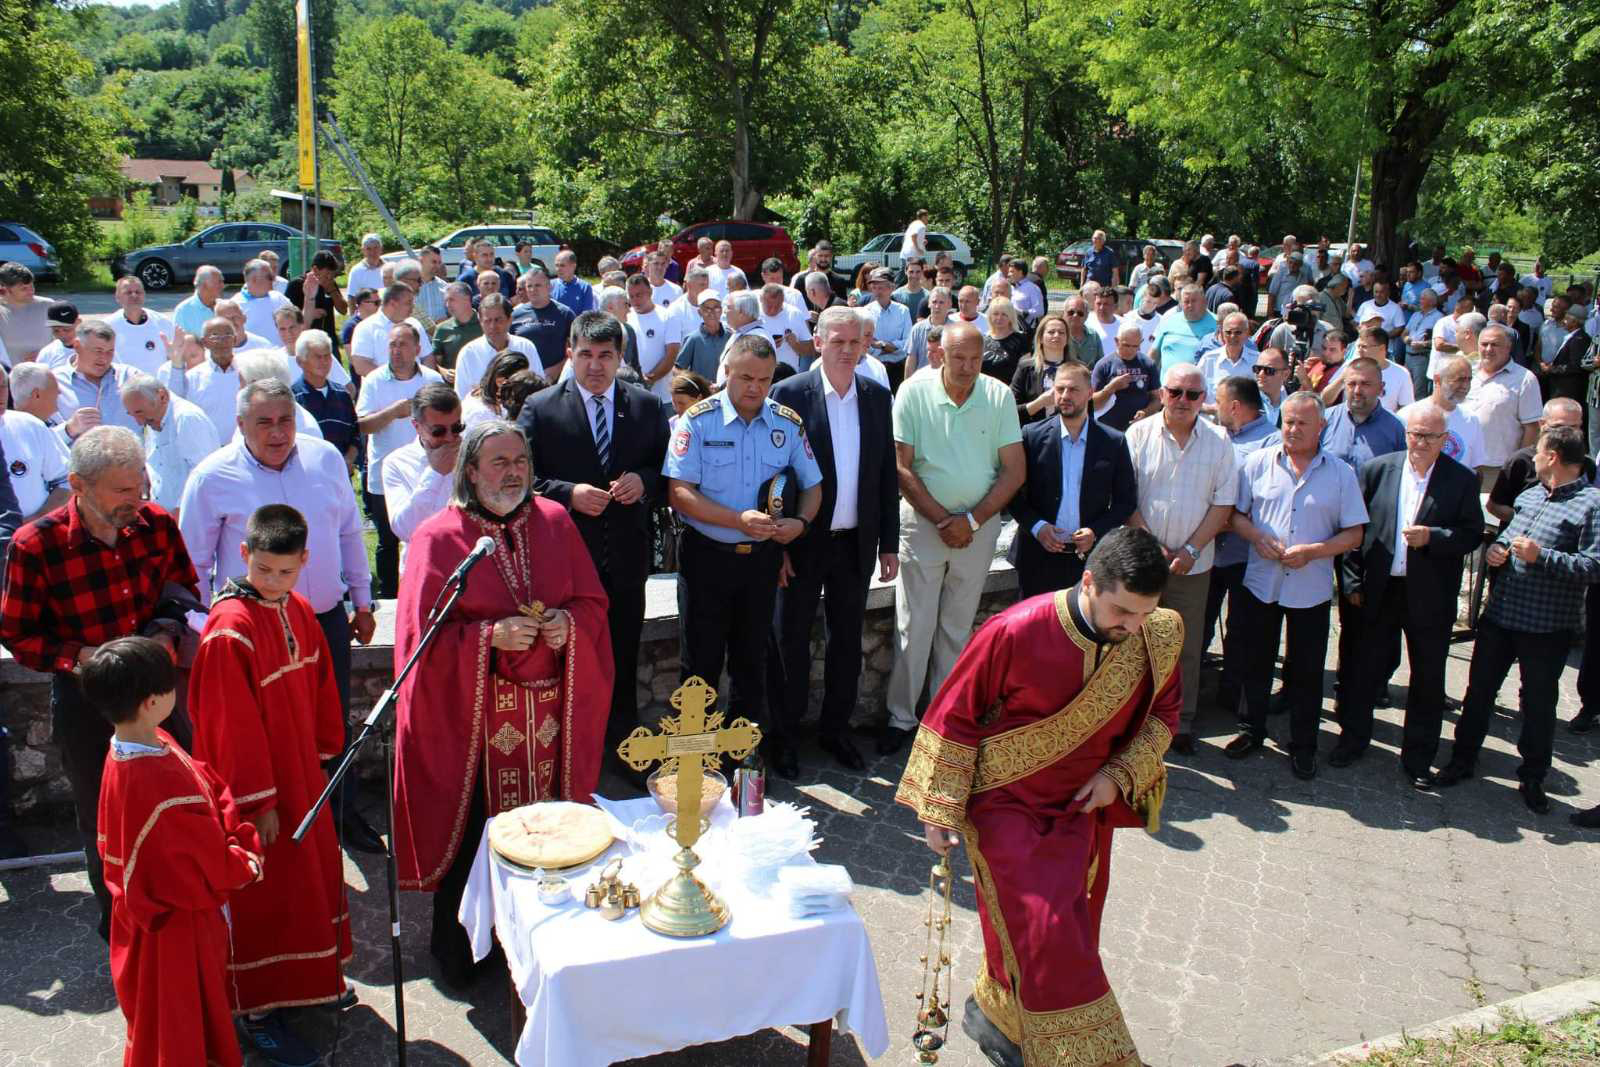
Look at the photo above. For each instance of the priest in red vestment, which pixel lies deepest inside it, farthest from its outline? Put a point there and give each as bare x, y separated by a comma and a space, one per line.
174, 847
1050, 732
508, 705
267, 715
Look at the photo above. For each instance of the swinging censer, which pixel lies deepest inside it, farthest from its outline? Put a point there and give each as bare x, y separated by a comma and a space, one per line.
933, 1015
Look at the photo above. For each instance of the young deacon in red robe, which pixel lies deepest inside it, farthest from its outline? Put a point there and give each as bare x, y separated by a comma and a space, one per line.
1049, 733
266, 716
508, 705
174, 847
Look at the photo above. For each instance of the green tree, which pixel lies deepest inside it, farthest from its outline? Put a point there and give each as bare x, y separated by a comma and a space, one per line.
58, 143
198, 16
272, 39
1392, 83
489, 35
472, 165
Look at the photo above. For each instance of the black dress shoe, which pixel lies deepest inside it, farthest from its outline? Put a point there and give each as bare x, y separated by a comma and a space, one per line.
1450, 774
1589, 820
1583, 722
1242, 746
1279, 703
1304, 766
358, 835
1343, 755
1183, 744
892, 740
1533, 796
842, 749
1422, 783
996, 1047
784, 763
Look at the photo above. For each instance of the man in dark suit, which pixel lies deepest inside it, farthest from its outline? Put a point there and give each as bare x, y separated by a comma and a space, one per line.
1425, 517
847, 420
1080, 486
598, 446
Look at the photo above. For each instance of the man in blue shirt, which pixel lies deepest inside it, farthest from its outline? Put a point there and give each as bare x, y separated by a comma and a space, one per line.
1298, 507
1182, 333
569, 290
542, 321
893, 327
1238, 412
1100, 263
1361, 427
726, 448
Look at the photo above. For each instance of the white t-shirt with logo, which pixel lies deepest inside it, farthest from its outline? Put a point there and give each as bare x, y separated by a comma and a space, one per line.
1463, 434
664, 294
143, 346
656, 329
36, 459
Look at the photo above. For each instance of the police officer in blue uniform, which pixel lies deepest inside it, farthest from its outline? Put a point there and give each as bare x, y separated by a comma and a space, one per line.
724, 449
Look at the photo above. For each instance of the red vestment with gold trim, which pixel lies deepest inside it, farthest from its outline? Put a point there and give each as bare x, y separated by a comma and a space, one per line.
174, 848
1033, 708
530, 725
266, 716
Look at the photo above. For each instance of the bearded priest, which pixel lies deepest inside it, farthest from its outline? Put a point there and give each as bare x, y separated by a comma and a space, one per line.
508, 705
1049, 733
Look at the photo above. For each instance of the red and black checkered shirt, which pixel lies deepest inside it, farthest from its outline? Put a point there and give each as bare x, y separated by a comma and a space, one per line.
65, 589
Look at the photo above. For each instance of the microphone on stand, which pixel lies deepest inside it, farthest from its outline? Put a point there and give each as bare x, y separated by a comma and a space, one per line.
484, 547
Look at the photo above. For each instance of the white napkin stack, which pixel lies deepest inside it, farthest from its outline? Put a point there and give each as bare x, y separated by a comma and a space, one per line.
813, 889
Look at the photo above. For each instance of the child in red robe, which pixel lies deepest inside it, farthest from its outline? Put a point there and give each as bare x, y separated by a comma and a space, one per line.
174, 847
266, 716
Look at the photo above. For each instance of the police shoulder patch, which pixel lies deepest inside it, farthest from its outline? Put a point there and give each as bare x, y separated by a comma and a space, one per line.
700, 407
789, 413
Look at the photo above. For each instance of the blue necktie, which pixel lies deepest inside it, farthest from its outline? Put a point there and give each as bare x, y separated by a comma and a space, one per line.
602, 433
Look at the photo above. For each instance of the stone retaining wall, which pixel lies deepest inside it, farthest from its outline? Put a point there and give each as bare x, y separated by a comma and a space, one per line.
40, 789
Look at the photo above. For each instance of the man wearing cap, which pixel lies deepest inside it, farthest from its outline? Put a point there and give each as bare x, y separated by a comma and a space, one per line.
725, 449
702, 350
63, 318
368, 274
893, 325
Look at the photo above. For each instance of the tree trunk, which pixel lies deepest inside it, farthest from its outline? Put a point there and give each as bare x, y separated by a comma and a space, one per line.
746, 197
1399, 166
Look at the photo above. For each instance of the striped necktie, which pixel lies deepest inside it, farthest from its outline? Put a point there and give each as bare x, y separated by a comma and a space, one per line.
602, 433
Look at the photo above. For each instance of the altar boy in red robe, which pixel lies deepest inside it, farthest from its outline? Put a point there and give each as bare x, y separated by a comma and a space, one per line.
266, 716
174, 847
1050, 732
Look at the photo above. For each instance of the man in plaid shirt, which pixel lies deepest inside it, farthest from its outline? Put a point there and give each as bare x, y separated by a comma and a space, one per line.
1545, 558
91, 570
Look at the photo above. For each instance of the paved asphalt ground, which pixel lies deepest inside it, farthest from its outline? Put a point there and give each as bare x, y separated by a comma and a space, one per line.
1269, 919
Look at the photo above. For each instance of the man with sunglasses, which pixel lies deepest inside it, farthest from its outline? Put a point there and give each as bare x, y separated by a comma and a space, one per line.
1188, 481
1271, 373
417, 475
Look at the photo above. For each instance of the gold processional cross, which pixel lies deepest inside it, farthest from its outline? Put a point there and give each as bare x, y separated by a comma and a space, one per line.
684, 907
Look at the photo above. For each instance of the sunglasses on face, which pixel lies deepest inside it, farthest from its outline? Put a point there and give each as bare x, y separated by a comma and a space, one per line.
1191, 394
1268, 371
1076, 314
437, 432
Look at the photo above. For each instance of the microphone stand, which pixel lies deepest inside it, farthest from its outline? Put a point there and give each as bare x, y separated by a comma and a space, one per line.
377, 717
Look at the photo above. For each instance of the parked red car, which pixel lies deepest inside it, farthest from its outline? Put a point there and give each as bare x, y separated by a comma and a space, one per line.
753, 243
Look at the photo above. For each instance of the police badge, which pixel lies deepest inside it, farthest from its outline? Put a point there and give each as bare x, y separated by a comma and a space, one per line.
778, 438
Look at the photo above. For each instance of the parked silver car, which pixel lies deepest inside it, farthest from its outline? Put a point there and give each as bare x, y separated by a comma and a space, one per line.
227, 246
885, 249
452, 246
18, 244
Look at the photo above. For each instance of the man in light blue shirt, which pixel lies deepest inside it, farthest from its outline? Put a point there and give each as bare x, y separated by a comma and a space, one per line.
1233, 358
893, 327
1361, 427
1298, 507
95, 381
569, 290
194, 311
1177, 339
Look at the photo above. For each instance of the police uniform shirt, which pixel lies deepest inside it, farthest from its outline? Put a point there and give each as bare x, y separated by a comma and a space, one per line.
728, 459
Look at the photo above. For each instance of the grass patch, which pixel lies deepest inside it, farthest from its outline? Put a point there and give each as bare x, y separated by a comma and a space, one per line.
1570, 1042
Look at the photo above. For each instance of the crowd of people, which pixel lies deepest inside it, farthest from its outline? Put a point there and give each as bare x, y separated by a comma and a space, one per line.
779, 442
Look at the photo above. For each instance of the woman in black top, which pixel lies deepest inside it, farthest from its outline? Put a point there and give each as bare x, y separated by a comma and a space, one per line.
1035, 375
1006, 344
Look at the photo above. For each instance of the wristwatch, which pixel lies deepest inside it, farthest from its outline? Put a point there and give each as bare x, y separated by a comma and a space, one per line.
1194, 552
973, 522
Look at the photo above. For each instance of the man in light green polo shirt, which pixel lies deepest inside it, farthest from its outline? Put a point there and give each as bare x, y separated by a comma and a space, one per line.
958, 447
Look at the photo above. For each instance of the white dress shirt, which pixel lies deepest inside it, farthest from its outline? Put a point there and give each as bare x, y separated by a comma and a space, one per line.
379, 390
844, 429
609, 401
171, 453
476, 355
1407, 502
230, 484
412, 491
214, 391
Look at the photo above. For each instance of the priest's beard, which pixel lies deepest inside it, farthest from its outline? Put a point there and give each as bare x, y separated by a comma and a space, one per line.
502, 501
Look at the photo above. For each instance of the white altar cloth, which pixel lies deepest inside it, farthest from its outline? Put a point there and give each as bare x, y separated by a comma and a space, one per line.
598, 992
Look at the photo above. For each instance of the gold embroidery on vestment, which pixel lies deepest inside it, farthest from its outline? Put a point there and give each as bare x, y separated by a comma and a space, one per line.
937, 779
508, 739
1089, 1035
